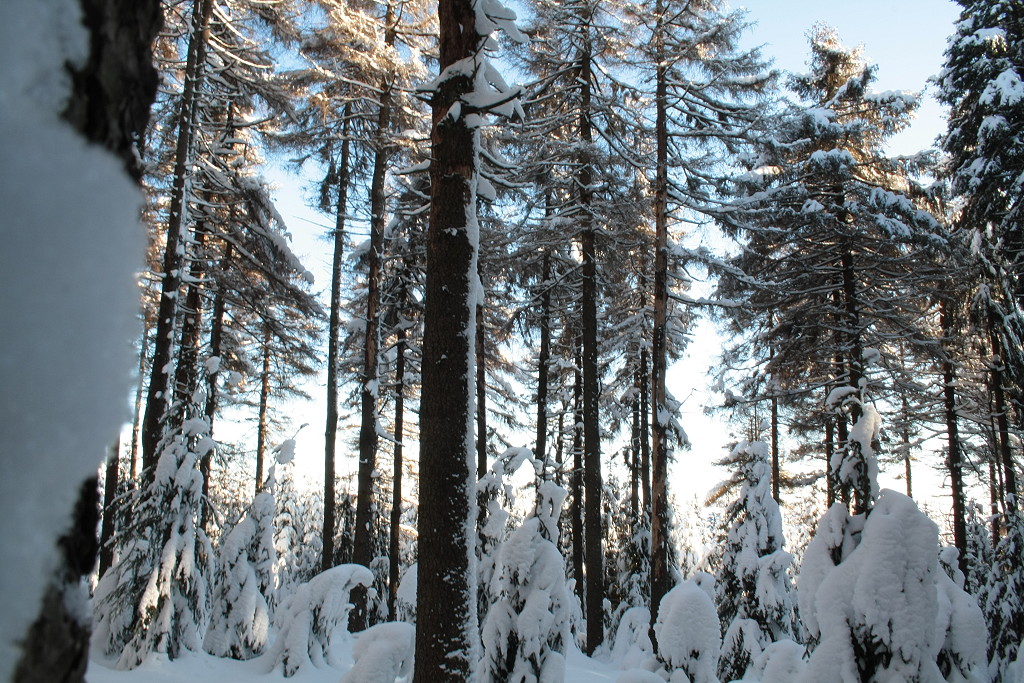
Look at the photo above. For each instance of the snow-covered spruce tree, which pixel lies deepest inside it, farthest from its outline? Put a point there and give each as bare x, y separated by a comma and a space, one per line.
1002, 596
754, 594
980, 555
467, 89
243, 594
156, 596
831, 237
689, 633
526, 631
874, 599
983, 84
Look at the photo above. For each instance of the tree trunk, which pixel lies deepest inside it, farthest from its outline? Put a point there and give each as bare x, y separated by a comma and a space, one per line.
661, 579
163, 343
362, 547
216, 348
110, 482
955, 459
263, 423
543, 358
776, 468
645, 432
394, 548
1002, 421
578, 540
133, 471
830, 480
591, 382
446, 629
186, 373
333, 351
109, 103
481, 394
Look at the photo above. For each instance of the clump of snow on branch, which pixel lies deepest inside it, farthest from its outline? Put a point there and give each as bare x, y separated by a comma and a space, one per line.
308, 621
68, 263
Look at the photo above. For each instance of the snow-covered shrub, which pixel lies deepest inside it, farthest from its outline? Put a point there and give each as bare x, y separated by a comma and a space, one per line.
406, 597
156, 597
780, 662
308, 619
494, 494
245, 582
382, 653
526, 631
980, 555
754, 594
632, 646
689, 633
872, 591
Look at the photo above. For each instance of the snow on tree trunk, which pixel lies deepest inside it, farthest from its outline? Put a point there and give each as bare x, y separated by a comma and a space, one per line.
467, 88
308, 621
72, 247
872, 590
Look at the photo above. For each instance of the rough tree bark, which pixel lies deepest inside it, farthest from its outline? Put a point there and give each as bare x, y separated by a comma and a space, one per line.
446, 630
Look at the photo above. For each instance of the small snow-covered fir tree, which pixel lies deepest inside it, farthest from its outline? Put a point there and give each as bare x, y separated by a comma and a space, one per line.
526, 631
873, 595
1002, 596
244, 590
689, 633
156, 597
297, 534
753, 589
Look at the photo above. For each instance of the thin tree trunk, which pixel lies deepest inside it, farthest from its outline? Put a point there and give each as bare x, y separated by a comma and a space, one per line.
776, 468
634, 452
661, 579
186, 375
212, 397
645, 432
830, 480
133, 470
362, 547
110, 482
163, 344
481, 394
446, 628
955, 459
1002, 422
394, 549
543, 358
578, 541
333, 351
263, 424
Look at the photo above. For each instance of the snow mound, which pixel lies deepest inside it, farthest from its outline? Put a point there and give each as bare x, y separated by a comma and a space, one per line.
382, 653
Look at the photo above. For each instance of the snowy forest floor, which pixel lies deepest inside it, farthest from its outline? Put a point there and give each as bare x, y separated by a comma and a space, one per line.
199, 667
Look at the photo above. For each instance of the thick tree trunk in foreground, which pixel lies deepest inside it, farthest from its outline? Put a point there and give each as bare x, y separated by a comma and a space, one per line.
446, 629
109, 104
110, 482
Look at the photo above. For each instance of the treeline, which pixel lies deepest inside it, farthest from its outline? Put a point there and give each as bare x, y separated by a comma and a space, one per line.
858, 286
